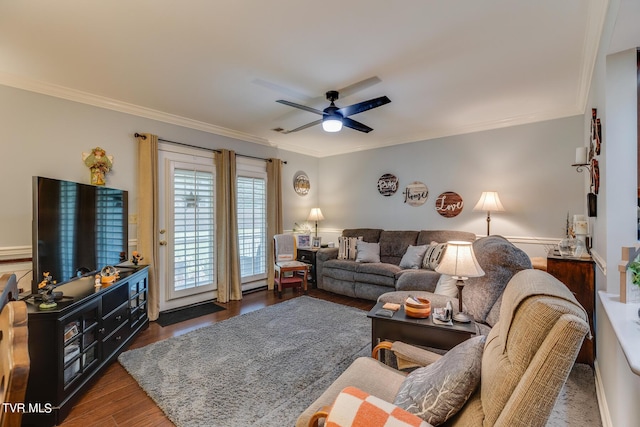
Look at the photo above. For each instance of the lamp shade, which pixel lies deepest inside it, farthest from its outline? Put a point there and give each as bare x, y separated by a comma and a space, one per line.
315, 215
459, 261
489, 202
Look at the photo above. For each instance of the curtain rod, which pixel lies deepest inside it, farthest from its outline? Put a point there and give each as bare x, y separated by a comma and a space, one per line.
137, 135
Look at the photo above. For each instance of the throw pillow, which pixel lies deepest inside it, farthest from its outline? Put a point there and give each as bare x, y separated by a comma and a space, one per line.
433, 255
354, 407
446, 286
347, 247
367, 252
437, 392
412, 258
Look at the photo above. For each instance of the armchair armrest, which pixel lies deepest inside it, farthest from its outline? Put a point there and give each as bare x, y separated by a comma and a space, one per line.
322, 413
408, 356
323, 254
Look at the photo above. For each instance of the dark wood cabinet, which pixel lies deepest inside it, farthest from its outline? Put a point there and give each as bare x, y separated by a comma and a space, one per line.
578, 274
72, 342
308, 256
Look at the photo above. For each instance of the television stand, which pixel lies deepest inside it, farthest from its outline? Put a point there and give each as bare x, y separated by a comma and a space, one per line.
72, 343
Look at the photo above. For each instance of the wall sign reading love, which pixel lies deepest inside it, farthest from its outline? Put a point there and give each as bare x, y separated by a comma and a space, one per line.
449, 204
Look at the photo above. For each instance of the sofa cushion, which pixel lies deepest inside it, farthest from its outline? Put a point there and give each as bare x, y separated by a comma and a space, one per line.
417, 280
442, 236
347, 247
433, 255
438, 391
378, 268
367, 234
393, 244
341, 264
412, 258
354, 407
500, 260
447, 286
367, 252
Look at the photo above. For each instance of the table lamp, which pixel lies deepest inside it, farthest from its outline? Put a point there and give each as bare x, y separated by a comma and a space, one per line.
459, 262
489, 201
315, 215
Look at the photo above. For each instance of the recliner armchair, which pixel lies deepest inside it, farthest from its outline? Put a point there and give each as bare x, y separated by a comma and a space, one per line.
526, 361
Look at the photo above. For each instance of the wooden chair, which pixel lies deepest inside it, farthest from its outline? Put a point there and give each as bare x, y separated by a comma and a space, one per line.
289, 273
14, 353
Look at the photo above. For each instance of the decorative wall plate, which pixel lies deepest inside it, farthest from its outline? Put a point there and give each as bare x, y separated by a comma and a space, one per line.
416, 193
388, 184
449, 204
301, 184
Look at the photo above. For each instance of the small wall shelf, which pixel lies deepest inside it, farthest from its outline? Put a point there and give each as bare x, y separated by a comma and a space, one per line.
580, 167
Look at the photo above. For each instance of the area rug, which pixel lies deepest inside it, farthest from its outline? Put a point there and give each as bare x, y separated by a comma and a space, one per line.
258, 369
171, 317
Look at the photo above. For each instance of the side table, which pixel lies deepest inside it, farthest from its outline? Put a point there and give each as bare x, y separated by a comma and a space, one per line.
308, 256
578, 274
421, 332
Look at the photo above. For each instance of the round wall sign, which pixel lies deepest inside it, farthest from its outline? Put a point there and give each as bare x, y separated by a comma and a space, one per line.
416, 193
388, 184
449, 204
301, 184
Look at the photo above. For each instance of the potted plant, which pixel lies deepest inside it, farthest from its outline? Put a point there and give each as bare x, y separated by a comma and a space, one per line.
634, 267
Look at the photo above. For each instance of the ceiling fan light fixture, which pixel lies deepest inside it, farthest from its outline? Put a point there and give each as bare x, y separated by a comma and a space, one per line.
332, 123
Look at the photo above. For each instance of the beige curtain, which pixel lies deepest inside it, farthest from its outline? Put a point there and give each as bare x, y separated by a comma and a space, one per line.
227, 257
148, 215
274, 211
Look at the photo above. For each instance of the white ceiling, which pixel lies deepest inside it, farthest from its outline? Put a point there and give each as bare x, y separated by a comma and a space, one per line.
449, 67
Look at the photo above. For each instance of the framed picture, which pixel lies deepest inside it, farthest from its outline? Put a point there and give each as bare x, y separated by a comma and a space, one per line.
304, 241
316, 242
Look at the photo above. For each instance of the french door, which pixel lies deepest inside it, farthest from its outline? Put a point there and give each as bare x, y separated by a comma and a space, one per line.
187, 226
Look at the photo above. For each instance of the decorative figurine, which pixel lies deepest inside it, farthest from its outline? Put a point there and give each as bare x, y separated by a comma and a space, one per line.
99, 163
136, 257
108, 275
45, 289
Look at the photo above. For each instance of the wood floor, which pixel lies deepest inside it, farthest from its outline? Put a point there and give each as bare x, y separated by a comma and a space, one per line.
116, 399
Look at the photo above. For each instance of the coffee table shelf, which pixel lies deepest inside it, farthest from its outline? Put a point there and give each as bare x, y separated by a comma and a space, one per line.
422, 332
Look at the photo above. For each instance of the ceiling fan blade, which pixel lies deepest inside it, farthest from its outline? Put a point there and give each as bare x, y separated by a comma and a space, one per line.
291, 93
308, 125
301, 107
363, 106
350, 123
357, 87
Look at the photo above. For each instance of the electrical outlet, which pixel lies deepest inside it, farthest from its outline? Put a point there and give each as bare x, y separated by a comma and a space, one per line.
133, 219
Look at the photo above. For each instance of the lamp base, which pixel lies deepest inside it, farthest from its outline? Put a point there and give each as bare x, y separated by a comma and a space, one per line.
461, 318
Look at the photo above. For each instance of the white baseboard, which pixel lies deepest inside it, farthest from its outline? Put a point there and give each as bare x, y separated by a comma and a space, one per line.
602, 398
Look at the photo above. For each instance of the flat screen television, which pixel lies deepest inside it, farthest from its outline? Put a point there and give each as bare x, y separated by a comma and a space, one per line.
77, 229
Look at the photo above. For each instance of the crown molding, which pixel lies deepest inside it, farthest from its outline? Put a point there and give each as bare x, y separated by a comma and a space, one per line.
74, 95
596, 19
454, 131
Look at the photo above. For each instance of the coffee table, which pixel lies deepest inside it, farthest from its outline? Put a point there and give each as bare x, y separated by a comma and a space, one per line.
421, 332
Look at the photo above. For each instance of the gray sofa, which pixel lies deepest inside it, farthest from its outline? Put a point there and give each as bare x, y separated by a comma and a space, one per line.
482, 296
370, 280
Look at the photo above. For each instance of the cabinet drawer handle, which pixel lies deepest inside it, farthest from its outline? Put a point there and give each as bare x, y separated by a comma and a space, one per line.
101, 330
119, 317
119, 338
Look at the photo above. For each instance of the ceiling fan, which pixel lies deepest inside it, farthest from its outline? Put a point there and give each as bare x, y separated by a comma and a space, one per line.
333, 118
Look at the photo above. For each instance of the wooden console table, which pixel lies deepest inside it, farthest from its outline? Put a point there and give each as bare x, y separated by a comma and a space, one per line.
578, 274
